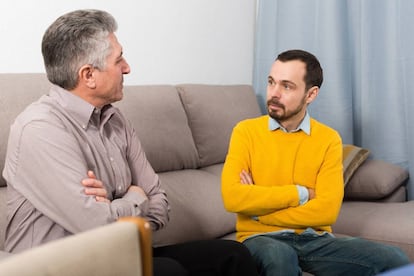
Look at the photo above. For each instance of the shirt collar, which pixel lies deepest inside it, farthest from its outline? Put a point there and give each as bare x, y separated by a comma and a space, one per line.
80, 109
304, 125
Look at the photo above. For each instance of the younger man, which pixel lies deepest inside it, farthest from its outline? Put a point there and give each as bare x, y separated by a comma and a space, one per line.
283, 178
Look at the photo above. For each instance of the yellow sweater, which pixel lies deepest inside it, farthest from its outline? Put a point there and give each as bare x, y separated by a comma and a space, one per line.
277, 162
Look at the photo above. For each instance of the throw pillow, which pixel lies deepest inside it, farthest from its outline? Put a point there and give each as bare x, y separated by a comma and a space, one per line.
352, 158
374, 180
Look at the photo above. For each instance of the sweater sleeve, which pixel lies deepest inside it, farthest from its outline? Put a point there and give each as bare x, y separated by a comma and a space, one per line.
251, 200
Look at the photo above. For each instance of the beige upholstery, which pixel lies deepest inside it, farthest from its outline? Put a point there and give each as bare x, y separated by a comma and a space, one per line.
161, 123
212, 111
390, 223
145, 243
94, 252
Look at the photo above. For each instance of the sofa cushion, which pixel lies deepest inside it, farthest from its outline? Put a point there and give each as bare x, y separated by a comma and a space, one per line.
353, 157
375, 179
161, 124
197, 210
214, 169
399, 195
212, 112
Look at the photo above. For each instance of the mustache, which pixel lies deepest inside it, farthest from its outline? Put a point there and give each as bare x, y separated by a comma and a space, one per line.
275, 102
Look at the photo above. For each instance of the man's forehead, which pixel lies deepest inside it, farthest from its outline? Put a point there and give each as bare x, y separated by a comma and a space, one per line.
288, 70
296, 63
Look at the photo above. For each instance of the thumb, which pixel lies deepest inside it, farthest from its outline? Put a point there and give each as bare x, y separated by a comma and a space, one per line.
91, 174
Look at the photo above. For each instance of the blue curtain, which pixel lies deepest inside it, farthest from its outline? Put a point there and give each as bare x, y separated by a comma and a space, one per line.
366, 48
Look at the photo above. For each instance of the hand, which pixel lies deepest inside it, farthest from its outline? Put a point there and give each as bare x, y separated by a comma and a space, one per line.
137, 189
246, 178
95, 188
311, 193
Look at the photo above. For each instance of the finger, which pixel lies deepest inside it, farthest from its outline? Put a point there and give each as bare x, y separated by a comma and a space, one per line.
93, 183
102, 199
248, 178
95, 192
91, 174
243, 178
89, 182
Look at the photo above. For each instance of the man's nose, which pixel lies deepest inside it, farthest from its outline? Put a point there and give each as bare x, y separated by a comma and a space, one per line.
275, 91
126, 69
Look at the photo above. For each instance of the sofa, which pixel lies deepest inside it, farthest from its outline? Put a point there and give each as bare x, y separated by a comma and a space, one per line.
185, 130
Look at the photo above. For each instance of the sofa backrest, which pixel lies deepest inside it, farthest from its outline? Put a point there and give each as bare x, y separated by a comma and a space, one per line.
190, 124
161, 124
212, 112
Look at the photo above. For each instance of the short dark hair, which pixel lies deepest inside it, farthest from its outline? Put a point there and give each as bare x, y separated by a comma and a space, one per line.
314, 72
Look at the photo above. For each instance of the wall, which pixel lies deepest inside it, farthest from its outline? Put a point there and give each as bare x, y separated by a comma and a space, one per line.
164, 41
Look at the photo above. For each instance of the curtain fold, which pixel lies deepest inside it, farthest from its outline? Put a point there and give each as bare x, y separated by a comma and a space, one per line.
366, 51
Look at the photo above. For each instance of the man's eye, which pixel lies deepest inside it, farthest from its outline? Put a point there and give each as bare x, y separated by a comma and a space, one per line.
287, 87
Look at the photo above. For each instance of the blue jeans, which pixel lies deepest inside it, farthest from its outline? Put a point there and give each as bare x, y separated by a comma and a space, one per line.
290, 254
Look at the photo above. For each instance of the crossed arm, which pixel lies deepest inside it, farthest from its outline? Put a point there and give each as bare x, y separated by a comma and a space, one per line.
95, 187
246, 178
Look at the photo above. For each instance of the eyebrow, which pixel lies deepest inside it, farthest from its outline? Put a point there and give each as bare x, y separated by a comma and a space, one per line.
282, 81
288, 82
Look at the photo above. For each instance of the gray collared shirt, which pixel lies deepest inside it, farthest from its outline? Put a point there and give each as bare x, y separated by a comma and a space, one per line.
52, 145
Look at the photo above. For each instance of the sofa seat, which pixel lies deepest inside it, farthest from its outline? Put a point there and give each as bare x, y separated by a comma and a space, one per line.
390, 223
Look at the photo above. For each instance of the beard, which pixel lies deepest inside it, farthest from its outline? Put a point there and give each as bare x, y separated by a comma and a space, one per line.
282, 114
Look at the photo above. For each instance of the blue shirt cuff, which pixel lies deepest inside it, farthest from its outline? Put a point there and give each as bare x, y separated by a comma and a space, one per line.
303, 194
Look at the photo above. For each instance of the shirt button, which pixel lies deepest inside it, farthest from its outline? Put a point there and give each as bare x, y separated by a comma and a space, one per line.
112, 159
119, 188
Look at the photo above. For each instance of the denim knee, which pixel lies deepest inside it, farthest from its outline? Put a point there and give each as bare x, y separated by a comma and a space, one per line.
273, 257
382, 257
393, 257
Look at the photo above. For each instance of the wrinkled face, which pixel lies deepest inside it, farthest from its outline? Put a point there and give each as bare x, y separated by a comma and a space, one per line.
109, 81
287, 98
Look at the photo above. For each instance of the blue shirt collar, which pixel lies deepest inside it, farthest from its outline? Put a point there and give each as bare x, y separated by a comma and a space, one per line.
304, 125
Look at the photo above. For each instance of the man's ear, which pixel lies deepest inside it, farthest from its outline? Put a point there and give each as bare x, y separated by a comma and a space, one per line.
312, 94
86, 76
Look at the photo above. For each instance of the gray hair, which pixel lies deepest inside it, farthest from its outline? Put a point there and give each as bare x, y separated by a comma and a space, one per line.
74, 39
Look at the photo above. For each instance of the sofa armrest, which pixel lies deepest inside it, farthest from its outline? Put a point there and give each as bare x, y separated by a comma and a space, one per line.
113, 249
375, 180
145, 242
